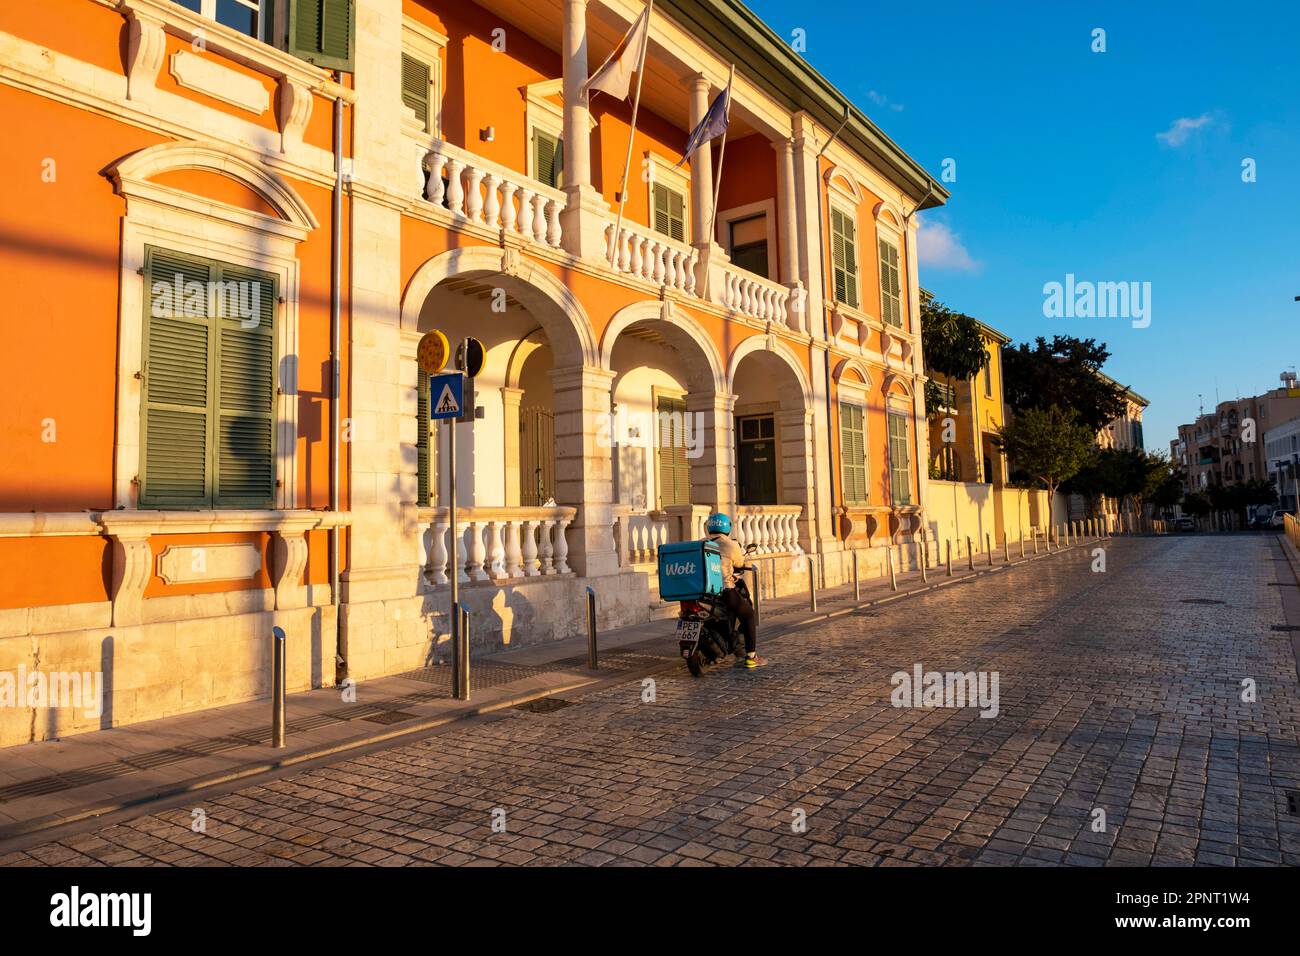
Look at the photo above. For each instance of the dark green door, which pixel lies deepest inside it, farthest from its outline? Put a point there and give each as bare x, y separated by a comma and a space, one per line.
756, 460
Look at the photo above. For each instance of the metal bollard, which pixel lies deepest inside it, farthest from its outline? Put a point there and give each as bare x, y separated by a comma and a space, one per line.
1022, 544
460, 657
758, 600
970, 555
278, 679
1006, 546
988, 546
591, 629
950, 557
1034, 532
925, 556
812, 587
857, 584
889, 563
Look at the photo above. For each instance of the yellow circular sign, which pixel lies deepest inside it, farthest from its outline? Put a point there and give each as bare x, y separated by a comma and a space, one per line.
432, 352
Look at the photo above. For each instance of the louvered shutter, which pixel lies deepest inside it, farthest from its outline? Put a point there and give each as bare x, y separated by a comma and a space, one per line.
674, 467
669, 213
415, 88
322, 32
890, 303
245, 400
546, 158
899, 464
178, 353
853, 454
844, 257
422, 442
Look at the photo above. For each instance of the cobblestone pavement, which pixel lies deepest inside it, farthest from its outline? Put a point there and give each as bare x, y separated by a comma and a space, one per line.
1119, 691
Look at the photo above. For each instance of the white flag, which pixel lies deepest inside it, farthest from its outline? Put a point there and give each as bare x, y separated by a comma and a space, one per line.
615, 74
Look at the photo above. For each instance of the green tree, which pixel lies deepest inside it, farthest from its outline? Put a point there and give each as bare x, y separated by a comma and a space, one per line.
1065, 373
953, 348
1196, 505
1050, 444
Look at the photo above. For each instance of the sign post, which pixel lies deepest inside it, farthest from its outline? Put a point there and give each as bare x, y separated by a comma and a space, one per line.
446, 397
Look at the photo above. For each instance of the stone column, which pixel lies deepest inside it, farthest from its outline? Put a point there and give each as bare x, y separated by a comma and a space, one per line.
584, 465
510, 399
713, 473
584, 218
701, 163
786, 213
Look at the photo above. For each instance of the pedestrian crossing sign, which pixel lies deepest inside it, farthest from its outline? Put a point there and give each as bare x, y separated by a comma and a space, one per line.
447, 395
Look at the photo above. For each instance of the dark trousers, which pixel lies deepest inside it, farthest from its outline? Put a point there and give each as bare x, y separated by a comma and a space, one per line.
739, 605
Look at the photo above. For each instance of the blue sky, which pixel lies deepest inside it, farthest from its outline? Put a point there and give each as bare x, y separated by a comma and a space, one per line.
1061, 168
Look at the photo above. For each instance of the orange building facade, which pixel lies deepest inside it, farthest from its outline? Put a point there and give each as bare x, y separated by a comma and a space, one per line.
212, 224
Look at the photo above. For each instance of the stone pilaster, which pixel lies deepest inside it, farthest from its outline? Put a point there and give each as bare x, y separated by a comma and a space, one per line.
584, 465
713, 473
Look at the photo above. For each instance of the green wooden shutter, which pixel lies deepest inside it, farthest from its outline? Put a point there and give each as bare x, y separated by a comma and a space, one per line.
546, 158
178, 352
669, 213
422, 442
415, 88
322, 32
891, 310
853, 453
845, 258
245, 400
899, 464
674, 467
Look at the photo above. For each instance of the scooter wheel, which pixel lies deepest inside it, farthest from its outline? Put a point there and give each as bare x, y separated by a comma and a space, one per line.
693, 664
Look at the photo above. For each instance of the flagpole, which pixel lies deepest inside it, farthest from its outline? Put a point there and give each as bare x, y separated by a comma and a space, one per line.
722, 152
631, 135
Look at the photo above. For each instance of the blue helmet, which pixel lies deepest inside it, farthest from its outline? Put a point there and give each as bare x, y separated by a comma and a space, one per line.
718, 524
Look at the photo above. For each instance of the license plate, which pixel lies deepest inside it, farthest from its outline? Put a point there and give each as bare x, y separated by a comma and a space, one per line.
688, 633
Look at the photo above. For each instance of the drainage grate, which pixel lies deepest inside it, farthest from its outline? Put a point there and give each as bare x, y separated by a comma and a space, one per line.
390, 717
1286, 627
544, 705
1283, 584
1293, 802
1201, 601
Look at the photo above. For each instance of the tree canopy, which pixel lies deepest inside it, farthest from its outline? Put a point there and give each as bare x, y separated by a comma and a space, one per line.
953, 348
1064, 373
1048, 443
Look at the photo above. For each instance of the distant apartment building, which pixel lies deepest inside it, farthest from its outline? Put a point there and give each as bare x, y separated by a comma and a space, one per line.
1282, 462
1227, 445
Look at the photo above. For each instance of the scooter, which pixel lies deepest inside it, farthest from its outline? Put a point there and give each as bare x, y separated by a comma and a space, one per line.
707, 631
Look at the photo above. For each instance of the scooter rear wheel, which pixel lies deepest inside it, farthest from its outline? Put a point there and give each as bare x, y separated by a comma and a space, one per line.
693, 664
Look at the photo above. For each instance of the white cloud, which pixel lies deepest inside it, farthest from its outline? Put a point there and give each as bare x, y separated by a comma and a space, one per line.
938, 247
1182, 129
880, 99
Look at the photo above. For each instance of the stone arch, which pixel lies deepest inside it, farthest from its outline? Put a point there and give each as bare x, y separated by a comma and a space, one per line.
525, 347
853, 365
555, 307
130, 177
889, 215
686, 332
894, 380
838, 178
770, 343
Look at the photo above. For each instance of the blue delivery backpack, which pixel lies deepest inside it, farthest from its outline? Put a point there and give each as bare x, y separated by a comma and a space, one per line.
689, 570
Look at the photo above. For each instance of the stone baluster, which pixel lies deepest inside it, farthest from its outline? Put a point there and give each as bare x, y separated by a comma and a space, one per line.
553, 230
562, 547
438, 564
634, 264
508, 218
455, 188
473, 195
434, 188
492, 202
496, 551
477, 553
525, 223
513, 556
547, 550
539, 220
530, 549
